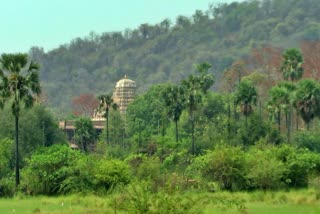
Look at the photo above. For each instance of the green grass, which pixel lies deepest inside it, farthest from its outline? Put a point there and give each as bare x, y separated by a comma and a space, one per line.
298, 201
61, 205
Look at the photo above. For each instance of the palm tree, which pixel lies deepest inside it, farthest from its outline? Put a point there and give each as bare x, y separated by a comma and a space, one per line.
281, 101
195, 87
306, 100
106, 104
174, 100
84, 132
19, 81
245, 96
291, 66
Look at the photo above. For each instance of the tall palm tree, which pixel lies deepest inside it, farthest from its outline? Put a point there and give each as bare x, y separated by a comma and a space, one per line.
281, 101
106, 104
306, 100
195, 87
19, 81
291, 66
174, 100
246, 96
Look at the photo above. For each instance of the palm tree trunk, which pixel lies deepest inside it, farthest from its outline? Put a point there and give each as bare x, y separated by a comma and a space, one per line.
17, 149
192, 133
289, 126
297, 120
246, 121
279, 121
229, 124
177, 134
107, 118
308, 126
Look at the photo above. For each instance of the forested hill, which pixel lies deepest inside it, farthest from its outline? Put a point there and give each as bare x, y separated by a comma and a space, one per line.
167, 51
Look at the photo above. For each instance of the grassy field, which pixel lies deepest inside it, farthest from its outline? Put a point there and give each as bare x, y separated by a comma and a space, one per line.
302, 201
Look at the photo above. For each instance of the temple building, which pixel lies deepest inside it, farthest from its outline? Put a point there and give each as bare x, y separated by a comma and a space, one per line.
124, 93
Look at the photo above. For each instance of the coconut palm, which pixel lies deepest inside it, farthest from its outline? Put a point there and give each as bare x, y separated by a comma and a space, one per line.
19, 82
174, 100
106, 104
291, 66
245, 97
306, 100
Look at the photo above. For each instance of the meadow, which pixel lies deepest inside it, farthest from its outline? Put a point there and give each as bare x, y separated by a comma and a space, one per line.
306, 201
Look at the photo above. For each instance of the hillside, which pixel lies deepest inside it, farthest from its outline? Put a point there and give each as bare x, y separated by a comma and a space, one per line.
167, 51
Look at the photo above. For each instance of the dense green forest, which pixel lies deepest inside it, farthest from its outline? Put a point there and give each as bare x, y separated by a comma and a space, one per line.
181, 147
166, 52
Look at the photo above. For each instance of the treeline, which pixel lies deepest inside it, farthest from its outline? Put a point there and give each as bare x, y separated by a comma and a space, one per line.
165, 52
256, 133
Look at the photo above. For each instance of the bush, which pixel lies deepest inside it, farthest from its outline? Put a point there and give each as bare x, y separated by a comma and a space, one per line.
109, 173
139, 198
58, 169
48, 168
299, 164
264, 170
7, 186
6, 157
90, 174
224, 165
309, 140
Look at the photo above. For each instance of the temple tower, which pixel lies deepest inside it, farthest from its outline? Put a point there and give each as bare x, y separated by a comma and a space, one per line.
124, 93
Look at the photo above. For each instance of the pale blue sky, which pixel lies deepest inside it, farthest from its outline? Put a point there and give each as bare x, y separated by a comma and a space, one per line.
50, 23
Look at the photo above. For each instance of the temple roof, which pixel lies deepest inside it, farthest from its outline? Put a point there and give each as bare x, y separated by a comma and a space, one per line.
125, 82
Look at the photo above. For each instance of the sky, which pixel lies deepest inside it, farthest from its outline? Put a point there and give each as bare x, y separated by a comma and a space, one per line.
51, 23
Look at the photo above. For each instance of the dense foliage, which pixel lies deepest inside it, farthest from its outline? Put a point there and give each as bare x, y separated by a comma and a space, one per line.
259, 131
166, 51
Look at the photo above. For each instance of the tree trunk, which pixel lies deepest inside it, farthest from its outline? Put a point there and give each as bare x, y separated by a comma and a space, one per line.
289, 126
177, 134
308, 126
192, 133
229, 123
17, 150
297, 120
246, 121
107, 118
84, 142
279, 121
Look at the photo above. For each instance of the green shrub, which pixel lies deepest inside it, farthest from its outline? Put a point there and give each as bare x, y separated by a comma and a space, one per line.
58, 169
48, 168
309, 140
7, 186
139, 198
109, 173
224, 165
264, 170
6, 157
300, 164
